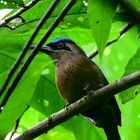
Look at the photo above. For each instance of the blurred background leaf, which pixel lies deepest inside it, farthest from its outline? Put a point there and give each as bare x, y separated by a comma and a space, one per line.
100, 17
37, 87
132, 66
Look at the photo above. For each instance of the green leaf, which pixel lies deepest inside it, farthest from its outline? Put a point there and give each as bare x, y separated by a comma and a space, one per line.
20, 98
132, 66
77, 16
17, 2
133, 4
9, 5
45, 95
131, 114
100, 14
13, 4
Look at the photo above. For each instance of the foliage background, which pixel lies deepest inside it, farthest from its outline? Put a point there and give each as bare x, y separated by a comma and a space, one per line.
37, 87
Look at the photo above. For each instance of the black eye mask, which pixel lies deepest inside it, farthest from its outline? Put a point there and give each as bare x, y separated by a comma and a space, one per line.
59, 46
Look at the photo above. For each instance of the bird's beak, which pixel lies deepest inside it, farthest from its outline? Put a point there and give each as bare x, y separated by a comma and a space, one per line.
44, 49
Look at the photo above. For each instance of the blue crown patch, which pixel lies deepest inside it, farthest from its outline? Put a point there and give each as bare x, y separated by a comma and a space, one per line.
59, 39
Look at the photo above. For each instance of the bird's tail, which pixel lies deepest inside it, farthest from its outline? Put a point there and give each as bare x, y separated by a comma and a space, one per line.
112, 133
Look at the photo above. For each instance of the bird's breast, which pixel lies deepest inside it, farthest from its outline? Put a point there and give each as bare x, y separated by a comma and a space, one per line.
66, 75
74, 76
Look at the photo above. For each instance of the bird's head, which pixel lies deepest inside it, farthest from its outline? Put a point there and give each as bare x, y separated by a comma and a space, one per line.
61, 46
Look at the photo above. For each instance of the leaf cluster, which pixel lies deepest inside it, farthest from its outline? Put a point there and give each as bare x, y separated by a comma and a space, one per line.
91, 24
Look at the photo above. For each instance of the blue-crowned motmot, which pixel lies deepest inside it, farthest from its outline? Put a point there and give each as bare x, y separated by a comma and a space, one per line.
76, 75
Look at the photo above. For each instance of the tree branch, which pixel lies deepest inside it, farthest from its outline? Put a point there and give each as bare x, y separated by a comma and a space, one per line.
84, 103
26, 47
18, 13
36, 49
123, 30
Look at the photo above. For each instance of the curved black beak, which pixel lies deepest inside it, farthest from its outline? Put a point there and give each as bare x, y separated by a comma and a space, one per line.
44, 49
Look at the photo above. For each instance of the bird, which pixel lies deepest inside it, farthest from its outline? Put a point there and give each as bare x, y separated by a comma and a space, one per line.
76, 76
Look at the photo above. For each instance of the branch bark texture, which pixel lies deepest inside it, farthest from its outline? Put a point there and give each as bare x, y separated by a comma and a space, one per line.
84, 103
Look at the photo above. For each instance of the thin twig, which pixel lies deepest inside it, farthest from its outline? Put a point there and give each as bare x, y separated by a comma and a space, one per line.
123, 30
27, 45
18, 13
82, 104
17, 123
15, 129
126, 27
36, 49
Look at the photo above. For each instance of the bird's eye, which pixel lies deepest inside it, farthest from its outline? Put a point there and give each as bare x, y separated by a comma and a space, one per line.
60, 45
